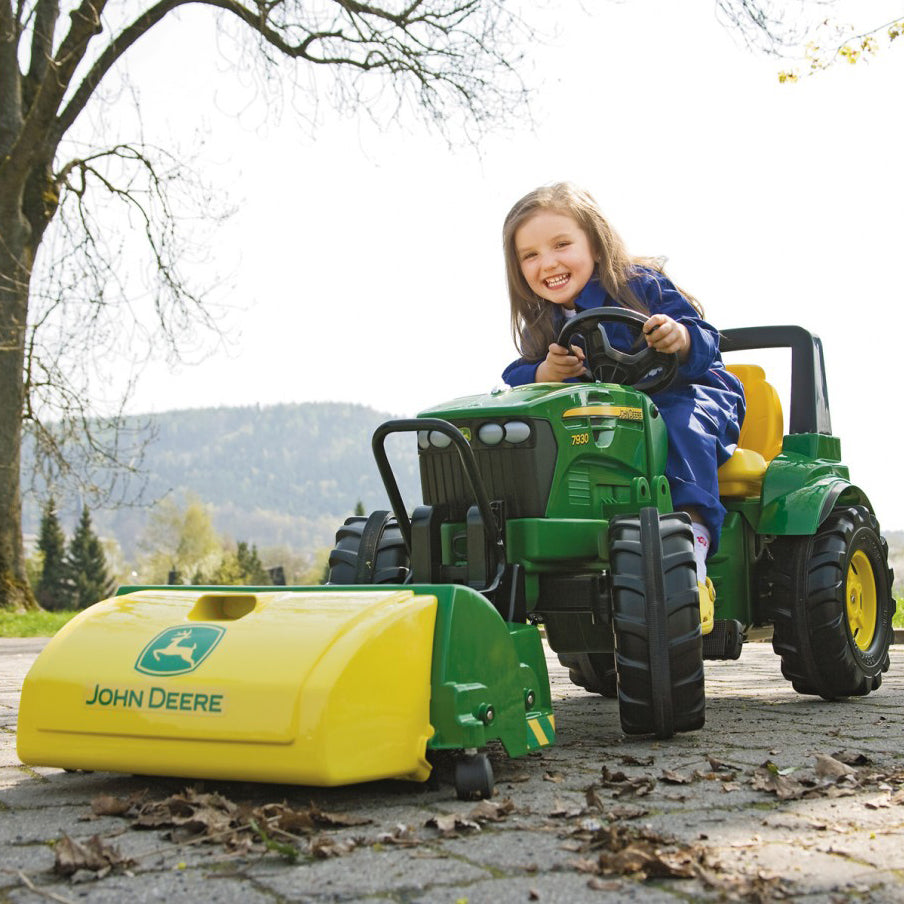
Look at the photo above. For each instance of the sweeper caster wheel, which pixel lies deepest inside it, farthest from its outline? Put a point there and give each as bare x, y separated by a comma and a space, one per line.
474, 777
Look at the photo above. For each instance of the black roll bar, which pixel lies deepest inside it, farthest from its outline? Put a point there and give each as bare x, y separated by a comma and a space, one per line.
465, 454
809, 392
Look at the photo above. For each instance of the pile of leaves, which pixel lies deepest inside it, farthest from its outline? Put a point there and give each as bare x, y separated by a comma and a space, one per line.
196, 817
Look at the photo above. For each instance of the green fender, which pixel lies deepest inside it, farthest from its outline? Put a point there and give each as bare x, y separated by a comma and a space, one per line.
803, 484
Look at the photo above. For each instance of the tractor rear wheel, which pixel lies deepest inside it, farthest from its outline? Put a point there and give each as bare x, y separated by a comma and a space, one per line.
656, 618
369, 550
832, 605
595, 672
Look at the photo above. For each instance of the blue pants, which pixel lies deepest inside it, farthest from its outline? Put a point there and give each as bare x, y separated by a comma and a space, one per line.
703, 425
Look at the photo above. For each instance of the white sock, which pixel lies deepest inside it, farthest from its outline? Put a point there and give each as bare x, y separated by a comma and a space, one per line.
701, 549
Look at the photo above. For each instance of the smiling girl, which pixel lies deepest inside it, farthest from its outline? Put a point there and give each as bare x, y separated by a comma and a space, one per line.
562, 257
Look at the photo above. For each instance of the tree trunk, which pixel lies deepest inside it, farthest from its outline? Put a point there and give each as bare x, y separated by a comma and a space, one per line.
16, 258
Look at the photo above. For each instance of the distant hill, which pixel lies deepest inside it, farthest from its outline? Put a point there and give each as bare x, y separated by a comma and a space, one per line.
272, 475
281, 475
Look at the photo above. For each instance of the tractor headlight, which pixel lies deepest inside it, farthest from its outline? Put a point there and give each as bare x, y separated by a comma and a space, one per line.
491, 434
517, 432
439, 440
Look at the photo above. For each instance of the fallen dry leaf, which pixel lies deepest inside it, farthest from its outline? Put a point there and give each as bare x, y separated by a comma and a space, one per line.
401, 835
594, 801
336, 820
565, 810
95, 855
781, 786
622, 785
288, 819
325, 846
627, 811
675, 778
852, 757
725, 776
829, 767
630, 760
108, 805
492, 811
452, 824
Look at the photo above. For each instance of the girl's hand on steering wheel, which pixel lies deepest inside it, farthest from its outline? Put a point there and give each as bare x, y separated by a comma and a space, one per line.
667, 335
559, 365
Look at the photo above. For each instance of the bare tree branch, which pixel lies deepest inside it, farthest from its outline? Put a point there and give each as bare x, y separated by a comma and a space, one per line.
773, 26
432, 47
68, 213
804, 30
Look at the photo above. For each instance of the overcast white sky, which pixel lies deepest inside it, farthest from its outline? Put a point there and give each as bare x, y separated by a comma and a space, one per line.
367, 265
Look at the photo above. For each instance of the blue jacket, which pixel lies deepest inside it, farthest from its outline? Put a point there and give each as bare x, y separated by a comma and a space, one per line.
704, 362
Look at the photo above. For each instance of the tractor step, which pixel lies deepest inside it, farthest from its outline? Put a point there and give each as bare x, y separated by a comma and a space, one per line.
725, 641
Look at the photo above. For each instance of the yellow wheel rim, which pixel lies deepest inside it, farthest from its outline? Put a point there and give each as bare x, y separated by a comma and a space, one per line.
862, 600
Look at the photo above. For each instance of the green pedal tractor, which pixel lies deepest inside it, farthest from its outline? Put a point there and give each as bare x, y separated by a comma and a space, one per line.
550, 501
544, 505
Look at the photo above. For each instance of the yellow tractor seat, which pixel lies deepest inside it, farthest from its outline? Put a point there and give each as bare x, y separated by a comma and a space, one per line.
761, 435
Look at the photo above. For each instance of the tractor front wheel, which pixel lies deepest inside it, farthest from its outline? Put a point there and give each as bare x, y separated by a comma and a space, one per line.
369, 550
656, 618
595, 672
832, 605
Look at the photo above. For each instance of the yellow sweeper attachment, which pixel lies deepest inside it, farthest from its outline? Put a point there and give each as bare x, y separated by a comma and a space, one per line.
308, 685
311, 687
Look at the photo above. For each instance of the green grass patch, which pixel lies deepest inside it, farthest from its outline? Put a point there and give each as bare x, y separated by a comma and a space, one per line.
33, 624
897, 620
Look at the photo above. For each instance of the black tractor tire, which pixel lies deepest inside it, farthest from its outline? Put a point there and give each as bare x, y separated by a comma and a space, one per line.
369, 550
656, 619
595, 672
831, 601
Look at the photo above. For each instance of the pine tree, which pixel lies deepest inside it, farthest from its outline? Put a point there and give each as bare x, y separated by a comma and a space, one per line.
253, 571
53, 591
242, 567
87, 565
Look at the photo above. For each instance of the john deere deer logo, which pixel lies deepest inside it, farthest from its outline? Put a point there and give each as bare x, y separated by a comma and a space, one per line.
176, 651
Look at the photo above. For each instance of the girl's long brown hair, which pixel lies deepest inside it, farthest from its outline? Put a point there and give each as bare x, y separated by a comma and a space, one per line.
532, 316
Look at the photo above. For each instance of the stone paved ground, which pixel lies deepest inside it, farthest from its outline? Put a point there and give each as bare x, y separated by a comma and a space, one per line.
598, 817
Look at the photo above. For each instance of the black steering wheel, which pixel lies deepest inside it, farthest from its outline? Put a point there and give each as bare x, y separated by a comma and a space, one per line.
642, 367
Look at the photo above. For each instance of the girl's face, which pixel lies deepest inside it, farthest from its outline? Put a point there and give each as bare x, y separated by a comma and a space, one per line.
555, 256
